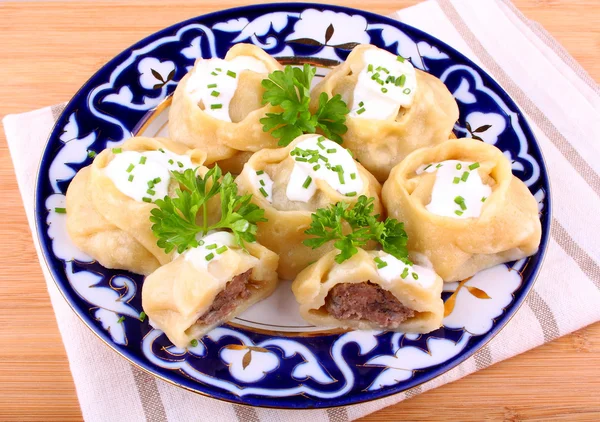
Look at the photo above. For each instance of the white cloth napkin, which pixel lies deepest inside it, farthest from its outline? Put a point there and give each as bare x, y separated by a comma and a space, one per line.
561, 102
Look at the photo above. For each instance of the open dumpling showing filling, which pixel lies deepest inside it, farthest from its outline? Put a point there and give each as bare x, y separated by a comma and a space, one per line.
218, 104
394, 108
291, 183
208, 285
109, 202
463, 208
371, 290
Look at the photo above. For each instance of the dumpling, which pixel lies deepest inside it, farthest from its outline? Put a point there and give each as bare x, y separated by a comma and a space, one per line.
109, 202
394, 108
208, 285
217, 106
371, 290
291, 183
463, 208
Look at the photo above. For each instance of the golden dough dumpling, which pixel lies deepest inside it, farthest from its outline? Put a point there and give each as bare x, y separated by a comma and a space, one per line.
394, 108
462, 207
291, 183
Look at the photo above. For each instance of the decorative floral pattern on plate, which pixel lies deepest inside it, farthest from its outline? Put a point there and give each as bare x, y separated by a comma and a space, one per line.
253, 360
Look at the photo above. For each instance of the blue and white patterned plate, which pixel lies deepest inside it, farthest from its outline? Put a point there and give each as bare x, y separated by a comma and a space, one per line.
269, 356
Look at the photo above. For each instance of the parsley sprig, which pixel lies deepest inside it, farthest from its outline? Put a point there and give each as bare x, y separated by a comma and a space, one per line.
290, 89
328, 224
176, 222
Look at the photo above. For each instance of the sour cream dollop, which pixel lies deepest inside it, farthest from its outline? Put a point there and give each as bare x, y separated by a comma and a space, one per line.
214, 82
391, 268
386, 83
211, 249
262, 182
318, 158
145, 176
458, 191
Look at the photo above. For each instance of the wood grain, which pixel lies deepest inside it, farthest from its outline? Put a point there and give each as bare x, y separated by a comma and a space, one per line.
49, 49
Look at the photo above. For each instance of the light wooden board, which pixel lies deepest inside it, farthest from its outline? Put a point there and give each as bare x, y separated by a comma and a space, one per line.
49, 49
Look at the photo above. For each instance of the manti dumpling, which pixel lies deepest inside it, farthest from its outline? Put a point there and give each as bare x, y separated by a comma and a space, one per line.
291, 183
207, 285
371, 290
109, 201
394, 108
463, 208
218, 104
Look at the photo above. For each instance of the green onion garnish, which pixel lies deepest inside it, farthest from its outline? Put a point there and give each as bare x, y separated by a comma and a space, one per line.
384, 90
317, 167
215, 93
171, 161
262, 182
370, 68
474, 166
351, 194
461, 202
150, 192
194, 343
415, 276
427, 167
456, 181
162, 150
120, 320
459, 213
216, 106
91, 154
211, 86
380, 262
264, 192
157, 180
221, 249
438, 166
331, 150
218, 69
352, 176
361, 104
406, 91
458, 166
60, 210
259, 172
401, 80
209, 256
213, 73
375, 76
142, 160
130, 178
307, 182
464, 176
404, 273
212, 246
117, 150
340, 173
142, 316
130, 168
483, 199
360, 110
400, 59
146, 199
179, 164
232, 74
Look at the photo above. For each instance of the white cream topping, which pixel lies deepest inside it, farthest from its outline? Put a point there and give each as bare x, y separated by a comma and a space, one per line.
145, 176
262, 182
318, 158
214, 81
386, 83
392, 269
458, 190
211, 249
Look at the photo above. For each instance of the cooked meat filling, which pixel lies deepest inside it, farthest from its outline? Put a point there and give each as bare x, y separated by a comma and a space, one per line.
228, 299
366, 301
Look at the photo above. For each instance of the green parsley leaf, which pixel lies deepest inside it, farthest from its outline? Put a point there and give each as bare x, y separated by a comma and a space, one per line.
290, 90
329, 224
176, 221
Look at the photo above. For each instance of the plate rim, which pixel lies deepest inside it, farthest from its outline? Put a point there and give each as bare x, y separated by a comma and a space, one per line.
316, 404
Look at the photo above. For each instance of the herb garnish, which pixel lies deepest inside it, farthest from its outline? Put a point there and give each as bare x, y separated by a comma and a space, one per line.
290, 89
328, 224
175, 221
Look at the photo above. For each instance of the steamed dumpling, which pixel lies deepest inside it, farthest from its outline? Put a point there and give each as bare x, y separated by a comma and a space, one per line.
462, 207
394, 108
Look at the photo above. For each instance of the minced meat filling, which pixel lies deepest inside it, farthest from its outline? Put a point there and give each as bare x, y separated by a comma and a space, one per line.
228, 299
366, 301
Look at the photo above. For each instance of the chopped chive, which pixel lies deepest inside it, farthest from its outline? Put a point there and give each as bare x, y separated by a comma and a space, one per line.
262, 182
360, 111
353, 176
341, 175
474, 166
458, 166
171, 162
142, 160
117, 150
307, 182
60, 210
401, 80
130, 178
464, 176
212, 246
142, 316
146, 199
351, 194
483, 199
370, 68
211, 85
415, 276
404, 273
406, 91
456, 180
120, 320
380, 263
179, 164
320, 139
151, 192
331, 150
162, 150
221, 249
157, 180
317, 167
259, 172
264, 192
459, 199
384, 90
438, 166
216, 106
427, 167
130, 168
215, 93
151, 184
459, 213
380, 82
209, 256
301, 159
194, 343
361, 104
218, 69
91, 154
213, 73
231, 73
400, 59
375, 76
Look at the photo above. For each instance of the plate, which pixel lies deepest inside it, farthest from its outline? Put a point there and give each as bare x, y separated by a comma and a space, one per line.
269, 356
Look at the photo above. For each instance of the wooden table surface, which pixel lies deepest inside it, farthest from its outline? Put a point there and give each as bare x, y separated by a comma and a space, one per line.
49, 49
